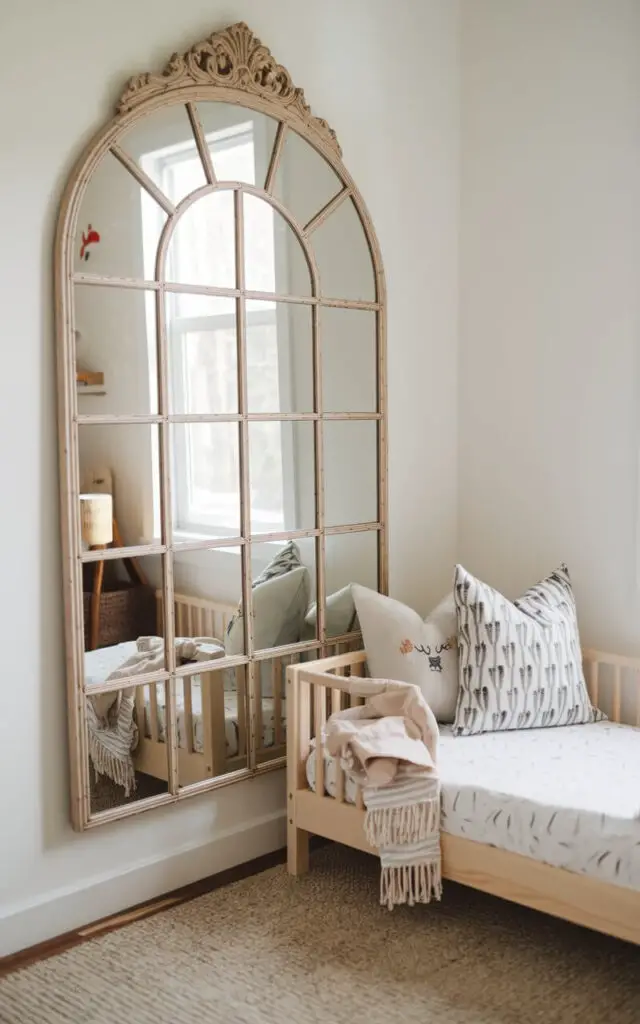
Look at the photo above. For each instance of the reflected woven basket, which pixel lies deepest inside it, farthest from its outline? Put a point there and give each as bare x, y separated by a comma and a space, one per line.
125, 614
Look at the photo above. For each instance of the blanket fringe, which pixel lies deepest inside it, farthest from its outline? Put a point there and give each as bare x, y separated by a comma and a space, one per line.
106, 763
411, 884
394, 826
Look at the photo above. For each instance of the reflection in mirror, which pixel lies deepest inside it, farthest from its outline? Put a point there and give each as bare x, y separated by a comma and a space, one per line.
351, 472
274, 258
213, 734
351, 558
342, 254
202, 248
239, 140
349, 360
208, 600
304, 182
279, 357
283, 589
123, 621
282, 476
164, 147
206, 474
119, 225
116, 365
202, 344
121, 460
126, 744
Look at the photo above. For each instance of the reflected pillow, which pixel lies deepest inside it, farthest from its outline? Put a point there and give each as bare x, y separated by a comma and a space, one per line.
279, 605
288, 558
400, 645
340, 615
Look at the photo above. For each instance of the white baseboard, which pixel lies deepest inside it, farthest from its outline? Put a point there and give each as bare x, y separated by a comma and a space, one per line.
64, 910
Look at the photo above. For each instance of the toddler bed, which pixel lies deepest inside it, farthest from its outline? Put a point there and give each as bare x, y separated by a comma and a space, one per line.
549, 818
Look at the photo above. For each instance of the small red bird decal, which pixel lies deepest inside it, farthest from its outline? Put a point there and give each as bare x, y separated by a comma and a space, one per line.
90, 237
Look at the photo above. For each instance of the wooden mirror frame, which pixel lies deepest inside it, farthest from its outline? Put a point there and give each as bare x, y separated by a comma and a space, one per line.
232, 66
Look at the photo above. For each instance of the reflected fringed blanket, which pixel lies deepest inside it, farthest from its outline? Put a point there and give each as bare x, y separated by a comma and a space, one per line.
111, 726
389, 746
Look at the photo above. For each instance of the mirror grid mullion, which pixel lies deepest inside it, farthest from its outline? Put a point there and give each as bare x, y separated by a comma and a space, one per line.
245, 492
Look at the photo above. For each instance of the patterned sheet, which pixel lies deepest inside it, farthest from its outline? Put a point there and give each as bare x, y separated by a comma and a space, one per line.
230, 719
100, 663
568, 796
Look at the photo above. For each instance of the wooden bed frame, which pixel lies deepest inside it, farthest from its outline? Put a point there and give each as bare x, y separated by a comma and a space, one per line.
314, 693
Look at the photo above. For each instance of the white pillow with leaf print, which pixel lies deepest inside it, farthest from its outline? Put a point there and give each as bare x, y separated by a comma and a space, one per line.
400, 645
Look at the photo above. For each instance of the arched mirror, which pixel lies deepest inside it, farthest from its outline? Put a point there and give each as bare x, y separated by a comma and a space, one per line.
220, 318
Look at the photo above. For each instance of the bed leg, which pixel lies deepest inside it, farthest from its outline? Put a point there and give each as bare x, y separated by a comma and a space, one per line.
297, 850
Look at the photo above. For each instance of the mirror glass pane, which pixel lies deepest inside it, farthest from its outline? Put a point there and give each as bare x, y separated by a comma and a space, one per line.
283, 590
239, 140
120, 460
203, 358
163, 146
282, 476
351, 558
202, 248
351, 472
123, 619
116, 364
279, 357
275, 261
213, 734
208, 600
126, 741
206, 478
344, 262
349, 360
119, 225
305, 182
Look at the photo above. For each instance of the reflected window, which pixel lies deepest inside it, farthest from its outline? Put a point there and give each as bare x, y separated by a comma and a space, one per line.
202, 334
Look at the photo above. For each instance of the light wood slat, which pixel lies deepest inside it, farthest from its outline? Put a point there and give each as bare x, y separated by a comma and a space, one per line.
241, 690
336, 705
201, 143
153, 712
594, 672
326, 211
617, 693
179, 618
143, 180
276, 153
188, 712
258, 669
214, 688
319, 720
359, 798
140, 710
276, 683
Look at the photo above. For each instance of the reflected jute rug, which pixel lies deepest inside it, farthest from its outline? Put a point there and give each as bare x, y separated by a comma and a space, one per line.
273, 950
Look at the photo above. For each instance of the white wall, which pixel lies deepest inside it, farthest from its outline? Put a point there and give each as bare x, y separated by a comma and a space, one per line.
394, 106
550, 301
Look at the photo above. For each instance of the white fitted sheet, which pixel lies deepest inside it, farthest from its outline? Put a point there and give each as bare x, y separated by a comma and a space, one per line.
569, 797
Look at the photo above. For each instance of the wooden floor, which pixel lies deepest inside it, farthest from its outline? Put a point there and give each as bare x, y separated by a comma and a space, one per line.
52, 947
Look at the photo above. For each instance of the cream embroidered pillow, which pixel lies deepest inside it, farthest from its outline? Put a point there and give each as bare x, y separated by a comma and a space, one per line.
520, 663
400, 645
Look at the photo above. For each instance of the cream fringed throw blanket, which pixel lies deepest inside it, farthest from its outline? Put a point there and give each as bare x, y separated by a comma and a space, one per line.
111, 726
389, 745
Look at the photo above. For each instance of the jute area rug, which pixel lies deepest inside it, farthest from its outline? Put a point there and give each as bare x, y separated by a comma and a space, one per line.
272, 950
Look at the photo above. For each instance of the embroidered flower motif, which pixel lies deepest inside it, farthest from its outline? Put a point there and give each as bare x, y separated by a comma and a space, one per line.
406, 647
